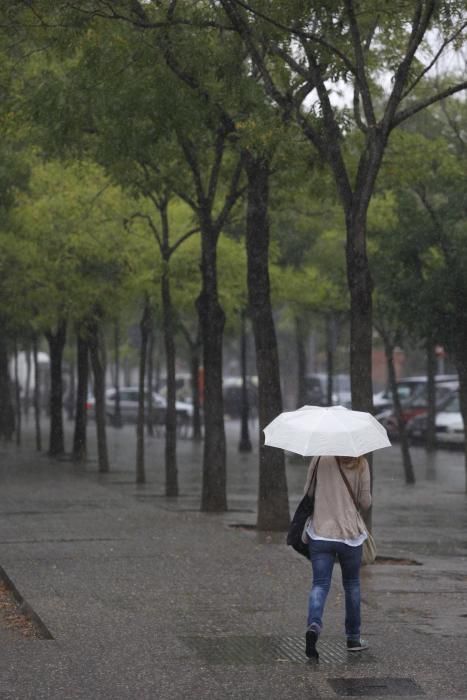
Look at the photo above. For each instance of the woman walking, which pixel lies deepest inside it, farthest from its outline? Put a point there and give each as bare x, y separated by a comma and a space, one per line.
336, 531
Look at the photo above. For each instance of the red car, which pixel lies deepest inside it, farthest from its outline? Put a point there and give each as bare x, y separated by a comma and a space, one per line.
417, 405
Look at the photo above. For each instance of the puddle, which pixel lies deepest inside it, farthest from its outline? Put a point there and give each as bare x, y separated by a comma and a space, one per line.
396, 560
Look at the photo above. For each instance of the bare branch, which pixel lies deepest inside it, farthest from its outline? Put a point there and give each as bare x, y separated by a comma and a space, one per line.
302, 92
454, 128
186, 198
404, 114
150, 222
245, 32
141, 21
332, 139
430, 65
356, 95
232, 196
191, 158
291, 62
361, 81
159, 203
356, 110
311, 133
296, 32
192, 82
216, 167
420, 22
182, 239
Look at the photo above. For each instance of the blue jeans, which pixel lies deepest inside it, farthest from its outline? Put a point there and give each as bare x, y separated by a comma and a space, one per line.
323, 554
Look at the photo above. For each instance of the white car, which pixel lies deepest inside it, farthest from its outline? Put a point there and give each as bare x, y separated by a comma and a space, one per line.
449, 423
129, 406
406, 388
449, 426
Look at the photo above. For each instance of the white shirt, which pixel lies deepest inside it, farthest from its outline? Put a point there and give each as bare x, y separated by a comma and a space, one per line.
354, 542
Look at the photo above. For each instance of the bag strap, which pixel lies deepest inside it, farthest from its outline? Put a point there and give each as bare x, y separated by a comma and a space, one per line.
349, 488
314, 476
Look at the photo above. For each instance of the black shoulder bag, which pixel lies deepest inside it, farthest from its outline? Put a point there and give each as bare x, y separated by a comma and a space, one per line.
304, 510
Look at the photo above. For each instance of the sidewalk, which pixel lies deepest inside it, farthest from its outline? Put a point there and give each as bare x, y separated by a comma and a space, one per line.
148, 598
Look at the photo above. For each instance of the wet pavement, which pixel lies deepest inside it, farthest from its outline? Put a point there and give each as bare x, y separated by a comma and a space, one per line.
146, 597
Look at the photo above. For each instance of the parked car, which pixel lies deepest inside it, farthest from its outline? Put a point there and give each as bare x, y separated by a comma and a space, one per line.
316, 389
407, 388
449, 423
449, 426
417, 405
129, 406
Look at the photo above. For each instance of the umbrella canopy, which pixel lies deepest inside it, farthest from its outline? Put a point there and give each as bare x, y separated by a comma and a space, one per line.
333, 430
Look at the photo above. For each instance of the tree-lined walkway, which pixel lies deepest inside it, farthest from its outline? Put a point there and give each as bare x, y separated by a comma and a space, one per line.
122, 577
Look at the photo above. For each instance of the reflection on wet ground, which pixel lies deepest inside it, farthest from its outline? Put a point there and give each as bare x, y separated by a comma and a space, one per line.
414, 616
427, 518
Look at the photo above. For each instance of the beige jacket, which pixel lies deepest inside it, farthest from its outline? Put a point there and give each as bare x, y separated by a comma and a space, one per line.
335, 516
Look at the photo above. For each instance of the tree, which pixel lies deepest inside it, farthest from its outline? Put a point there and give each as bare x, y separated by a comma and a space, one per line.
302, 56
68, 241
248, 119
309, 231
82, 362
14, 174
437, 193
168, 127
158, 194
421, 267
211, 157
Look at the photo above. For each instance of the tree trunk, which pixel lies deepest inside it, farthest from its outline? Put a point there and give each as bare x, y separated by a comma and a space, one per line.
56, 346
431, 396
273, 504
144, 328
17, 397
27, 388
212, 320
7, 411
360, 288
150, 382
461, 366
406, 457
117, 417
126, 371
361, 319
71, 394
82, 366
195, 364
245, 442
171, 476
158, 369
98, 370
457, 350
300, 338
37, 395
330, 350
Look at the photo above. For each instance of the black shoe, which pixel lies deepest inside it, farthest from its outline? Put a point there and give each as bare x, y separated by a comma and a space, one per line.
357, 645
311, 638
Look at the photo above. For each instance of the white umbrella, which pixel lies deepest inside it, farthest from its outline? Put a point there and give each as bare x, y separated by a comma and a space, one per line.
335, 430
